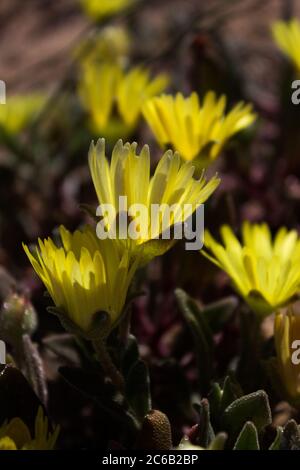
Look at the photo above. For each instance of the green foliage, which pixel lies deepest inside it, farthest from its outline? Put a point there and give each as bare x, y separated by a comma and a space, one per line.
245, 420
202, 334
248, 438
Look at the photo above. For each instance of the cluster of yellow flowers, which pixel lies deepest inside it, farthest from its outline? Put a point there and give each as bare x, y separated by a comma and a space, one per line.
86, 276
114, 98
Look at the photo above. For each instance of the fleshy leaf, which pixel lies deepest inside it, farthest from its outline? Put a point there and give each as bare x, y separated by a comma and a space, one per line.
137, 389
202, 337
254, 407
248, 438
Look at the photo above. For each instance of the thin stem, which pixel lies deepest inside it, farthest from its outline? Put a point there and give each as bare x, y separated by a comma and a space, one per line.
249, 370
107, 364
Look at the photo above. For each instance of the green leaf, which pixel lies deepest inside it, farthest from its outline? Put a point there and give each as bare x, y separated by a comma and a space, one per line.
137, 389
218, 442
291, 436
202, 335
276, 444
248, 438
214, 398
220, 399
253, 407
205, 433
231, 391
218, 313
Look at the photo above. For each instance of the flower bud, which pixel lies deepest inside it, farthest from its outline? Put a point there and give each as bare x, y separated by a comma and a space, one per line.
17, 317
156, 432
287, 339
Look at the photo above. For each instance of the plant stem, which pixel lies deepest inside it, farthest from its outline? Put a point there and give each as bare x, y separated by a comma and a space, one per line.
249, 369
107, 364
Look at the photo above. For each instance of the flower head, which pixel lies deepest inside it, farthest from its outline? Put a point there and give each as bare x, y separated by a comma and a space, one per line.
192, 128
286, 334
100, 9
105, 88
287, 36
170, 188
84, 276
264, 271
15, 435
19, 111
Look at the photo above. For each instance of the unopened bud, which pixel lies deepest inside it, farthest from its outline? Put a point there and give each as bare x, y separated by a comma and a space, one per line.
156, 432
17, 317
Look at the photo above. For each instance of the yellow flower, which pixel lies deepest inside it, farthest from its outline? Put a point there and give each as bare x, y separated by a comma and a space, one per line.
171, 187
134, 89
106, 88
19, 111
97, 90
111, 45
99, 9
193, 129
287, 36
264, 271
84, 276
286, 331
15, 435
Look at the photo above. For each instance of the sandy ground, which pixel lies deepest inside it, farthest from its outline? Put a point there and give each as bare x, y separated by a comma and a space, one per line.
35, 41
